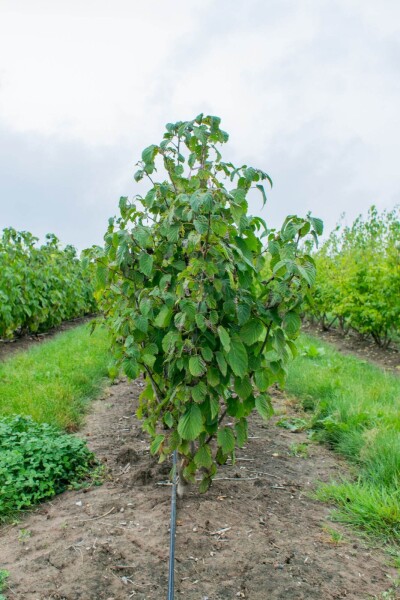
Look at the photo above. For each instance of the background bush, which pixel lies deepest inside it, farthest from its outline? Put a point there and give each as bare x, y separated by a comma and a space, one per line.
40, 286
358, 277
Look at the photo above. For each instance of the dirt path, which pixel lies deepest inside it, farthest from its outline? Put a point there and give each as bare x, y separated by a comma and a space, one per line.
254, 535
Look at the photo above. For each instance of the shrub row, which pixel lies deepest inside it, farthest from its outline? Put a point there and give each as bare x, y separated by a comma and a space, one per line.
40, 286
358, 278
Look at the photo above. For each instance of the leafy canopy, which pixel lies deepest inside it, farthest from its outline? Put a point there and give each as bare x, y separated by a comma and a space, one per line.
202, 298
41, 286
358, 282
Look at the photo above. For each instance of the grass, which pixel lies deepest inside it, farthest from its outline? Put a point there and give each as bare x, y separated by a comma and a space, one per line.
54, 381
3, 580
356, 412
300, 450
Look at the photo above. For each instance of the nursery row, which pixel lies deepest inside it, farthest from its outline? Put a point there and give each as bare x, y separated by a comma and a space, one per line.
40, 286
358, 278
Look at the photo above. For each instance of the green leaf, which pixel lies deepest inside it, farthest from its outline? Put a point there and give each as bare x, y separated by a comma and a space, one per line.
148, 154
201, 224
145, 306
248, 405
201, 322
156, 444
251, 332
224, 337
237, 357
293, 348
130, 367
250, 174
141, 323
223, 367
168, 419
197, 366
226, 440
203, 457
199, 392
241, 429
318, 225
214, 407
291, 323
262, 379
146, 263
204, 484
170, 340
173, 233
164, 317
143, 236
243, 313
101, 276
206, 353
189, 308
234, 407
189, 471
243, 387
261, 189
191, 423
308, 272
149, 359
213, 376
264, 406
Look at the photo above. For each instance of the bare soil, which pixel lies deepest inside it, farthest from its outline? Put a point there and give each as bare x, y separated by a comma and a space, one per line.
256, 534
364, 348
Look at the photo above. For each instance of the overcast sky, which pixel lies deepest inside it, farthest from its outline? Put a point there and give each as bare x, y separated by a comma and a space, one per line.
309, 90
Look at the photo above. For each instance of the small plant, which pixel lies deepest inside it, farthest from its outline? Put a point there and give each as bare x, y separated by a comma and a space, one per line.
299, 450
392, 593
96, 476
24, 534
335, 537
37, 461
3, 578
312, 351
196, 302
293, 424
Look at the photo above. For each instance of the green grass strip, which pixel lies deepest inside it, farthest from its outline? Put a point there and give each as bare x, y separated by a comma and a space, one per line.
356, 411
54, 381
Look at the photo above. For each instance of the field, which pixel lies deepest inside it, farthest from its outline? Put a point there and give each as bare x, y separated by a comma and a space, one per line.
288, 468
115, 536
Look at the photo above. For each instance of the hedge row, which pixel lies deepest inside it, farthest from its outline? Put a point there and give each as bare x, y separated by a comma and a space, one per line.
358, 278
40, 286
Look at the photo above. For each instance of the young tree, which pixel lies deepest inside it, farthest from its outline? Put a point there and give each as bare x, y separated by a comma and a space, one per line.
196, 302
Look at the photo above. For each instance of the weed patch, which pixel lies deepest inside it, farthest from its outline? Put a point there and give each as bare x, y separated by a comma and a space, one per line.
37, 461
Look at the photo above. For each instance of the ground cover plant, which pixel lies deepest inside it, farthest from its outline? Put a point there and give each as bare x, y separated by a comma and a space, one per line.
40, 286
53, 382
358, 278
201, 297
356, 412
3, 579
37, 461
